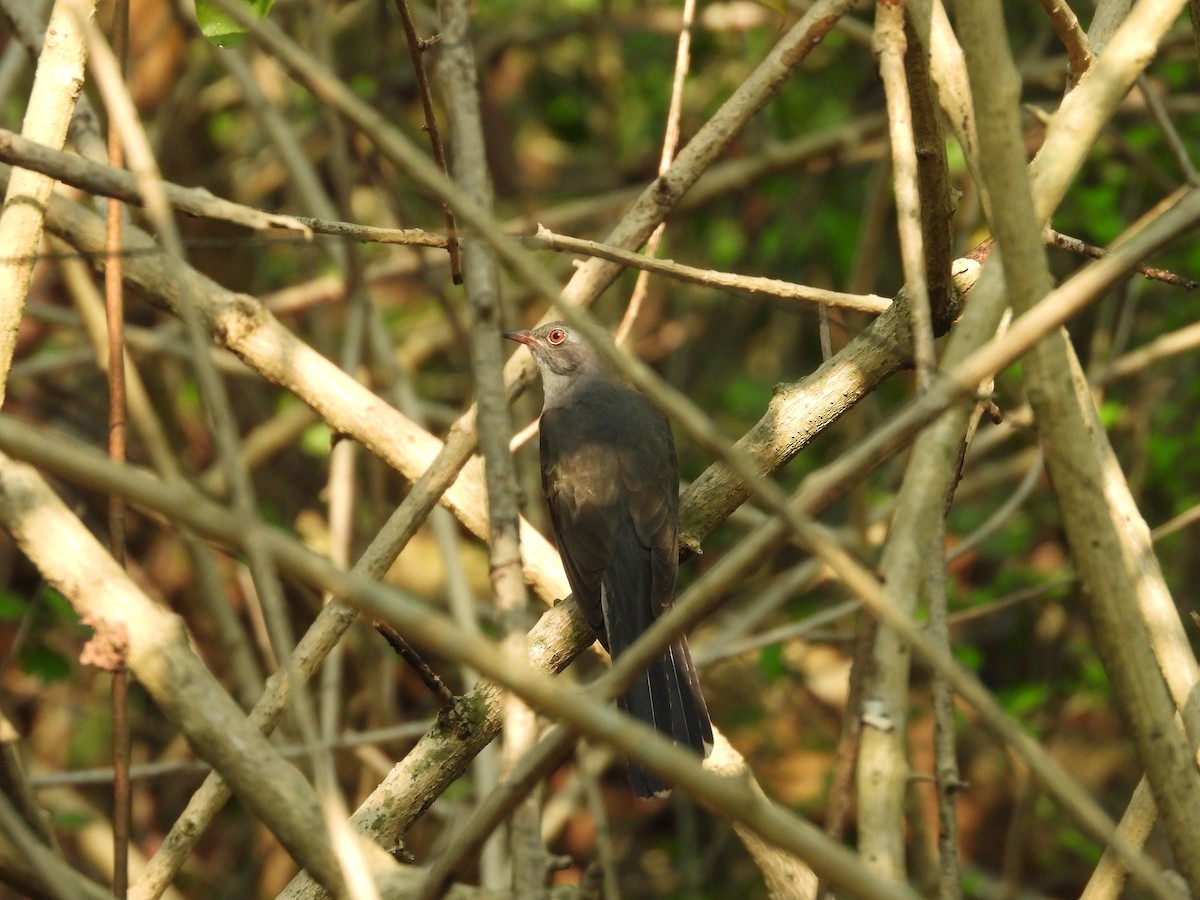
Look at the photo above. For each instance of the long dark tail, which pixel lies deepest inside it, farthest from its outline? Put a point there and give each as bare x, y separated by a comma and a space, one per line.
668, 697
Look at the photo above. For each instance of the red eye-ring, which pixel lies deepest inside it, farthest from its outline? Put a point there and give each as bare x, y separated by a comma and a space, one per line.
556, 336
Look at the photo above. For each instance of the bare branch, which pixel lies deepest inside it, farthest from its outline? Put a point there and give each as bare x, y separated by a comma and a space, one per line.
58, 81
750, 284
1079, 50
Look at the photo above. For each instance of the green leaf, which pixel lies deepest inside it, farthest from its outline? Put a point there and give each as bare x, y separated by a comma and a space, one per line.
1110, 413
58, 603
770, 661
1071, 839
72, 821
1025, 699
969, 656
317, 440
220, 28
12, 606
47, 664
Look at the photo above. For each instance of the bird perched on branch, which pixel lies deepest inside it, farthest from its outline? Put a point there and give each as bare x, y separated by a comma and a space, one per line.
611, 480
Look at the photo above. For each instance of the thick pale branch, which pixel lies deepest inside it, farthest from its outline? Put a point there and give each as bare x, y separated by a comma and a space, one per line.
57, 83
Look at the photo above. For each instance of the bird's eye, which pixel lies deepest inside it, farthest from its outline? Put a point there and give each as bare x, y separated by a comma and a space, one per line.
556, 336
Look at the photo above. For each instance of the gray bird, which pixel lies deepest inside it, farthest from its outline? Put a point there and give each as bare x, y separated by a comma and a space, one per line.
611, 480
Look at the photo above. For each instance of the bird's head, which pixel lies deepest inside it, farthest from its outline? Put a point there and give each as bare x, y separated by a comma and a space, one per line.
558, 350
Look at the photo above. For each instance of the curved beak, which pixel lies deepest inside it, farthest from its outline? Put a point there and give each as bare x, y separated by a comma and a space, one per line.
521, 337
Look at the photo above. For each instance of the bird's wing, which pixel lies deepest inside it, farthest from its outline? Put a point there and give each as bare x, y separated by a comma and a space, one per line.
650, 474
581, 480
613, 495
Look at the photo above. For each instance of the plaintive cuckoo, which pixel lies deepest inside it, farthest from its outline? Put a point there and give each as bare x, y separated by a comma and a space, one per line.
611, 480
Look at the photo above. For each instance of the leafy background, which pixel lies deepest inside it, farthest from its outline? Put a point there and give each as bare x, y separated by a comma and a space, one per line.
576, 96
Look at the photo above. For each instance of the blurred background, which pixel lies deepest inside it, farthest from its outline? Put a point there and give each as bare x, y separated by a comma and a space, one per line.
575, 99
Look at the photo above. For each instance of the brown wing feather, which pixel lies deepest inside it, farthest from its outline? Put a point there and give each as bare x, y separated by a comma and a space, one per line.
608, 462
580, 480
650, 473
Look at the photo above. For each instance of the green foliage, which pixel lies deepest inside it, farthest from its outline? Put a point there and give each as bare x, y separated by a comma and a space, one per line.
969, 656
1093, 677
59, 605
71, 821
40, 654
1073, 841
220, 28
1110, 413
1098, 205
317, 440
47, 664
1024, 699
771, 663
224, 128
12, 606
365, 84
726, 243
745, 397
575, 96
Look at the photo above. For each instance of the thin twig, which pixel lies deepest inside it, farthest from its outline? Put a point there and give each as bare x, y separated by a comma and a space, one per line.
750, 284
115, 312
1075, 245
946, 773
1066, 26
841, 788
890, 47
933, 182
56, 877
1194, 15
1170, 133
683, 61
174, 768
106, 181
416, 50
18, 787
433, 681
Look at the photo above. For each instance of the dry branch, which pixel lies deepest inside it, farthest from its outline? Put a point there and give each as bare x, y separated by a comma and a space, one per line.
58, 81
158, 654
748, 284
